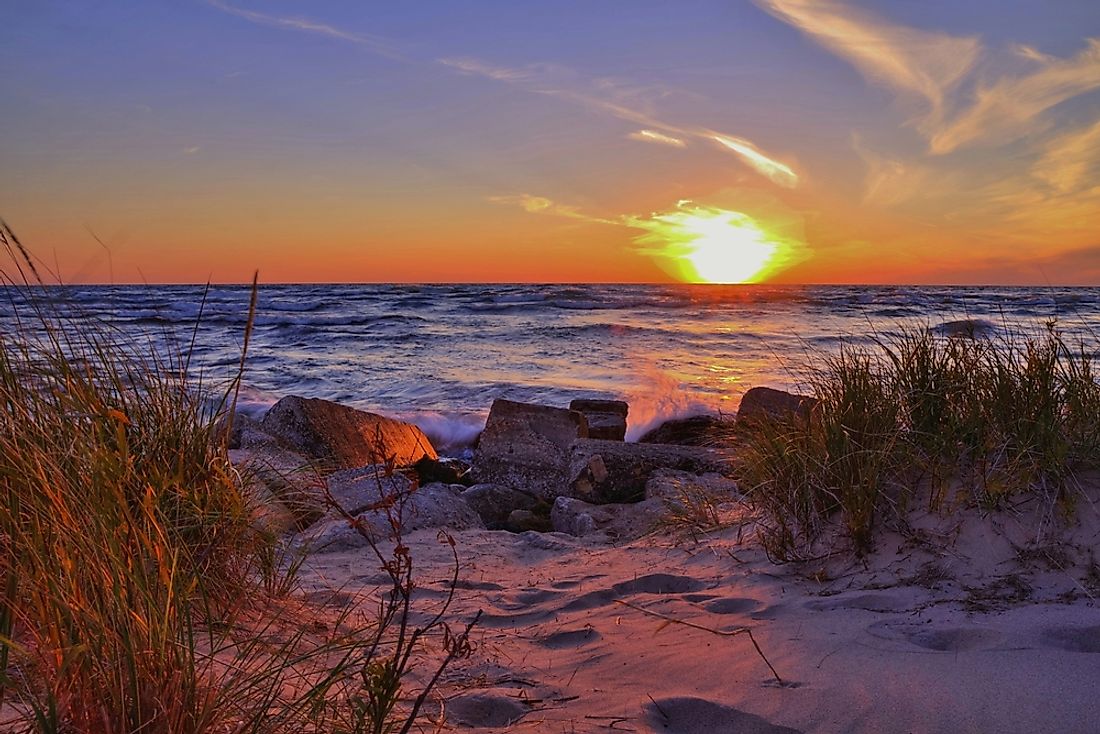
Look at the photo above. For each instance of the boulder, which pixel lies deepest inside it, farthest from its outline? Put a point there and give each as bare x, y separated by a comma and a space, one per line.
769, 403
527, 447
446, 471
698, 430
339, 437
380, 502
614, 521
495, 504
287, 492
606, 418
612, 471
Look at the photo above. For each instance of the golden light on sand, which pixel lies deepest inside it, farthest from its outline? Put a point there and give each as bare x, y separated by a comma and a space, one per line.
712, 245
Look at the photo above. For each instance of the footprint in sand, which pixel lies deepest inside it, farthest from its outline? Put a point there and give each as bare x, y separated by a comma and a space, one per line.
732, 605
963, 639
699, 716
567, 639
1073, 639
478, 585
881, 603
944, 639
655, 583
479, 710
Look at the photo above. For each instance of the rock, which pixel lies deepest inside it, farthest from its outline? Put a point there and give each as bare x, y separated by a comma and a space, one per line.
494, 503
527, 447
606, 418
520, 521
698, 430
766, 402
446, 471
245, 433
670, 485
272, 475
615, 521
339, 437
574, 517
410, 507
611, 471
965, 329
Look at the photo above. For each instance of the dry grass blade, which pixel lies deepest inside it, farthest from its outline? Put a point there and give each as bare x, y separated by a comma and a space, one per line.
722, 633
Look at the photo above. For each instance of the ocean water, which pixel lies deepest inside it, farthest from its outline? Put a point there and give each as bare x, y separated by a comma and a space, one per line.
439, 354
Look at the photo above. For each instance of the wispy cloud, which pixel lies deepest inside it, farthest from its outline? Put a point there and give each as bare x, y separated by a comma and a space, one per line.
377, 44
542, 205
476, 67
911, 61
1009, 108
779, 173
1071, 159
652, 136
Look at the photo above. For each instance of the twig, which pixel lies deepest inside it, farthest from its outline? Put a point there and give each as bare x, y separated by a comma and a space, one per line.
723, 633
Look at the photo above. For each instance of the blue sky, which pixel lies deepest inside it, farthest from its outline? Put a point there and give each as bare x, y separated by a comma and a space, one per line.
933, 141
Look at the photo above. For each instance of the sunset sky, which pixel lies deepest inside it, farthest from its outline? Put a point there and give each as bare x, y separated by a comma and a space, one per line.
911, 141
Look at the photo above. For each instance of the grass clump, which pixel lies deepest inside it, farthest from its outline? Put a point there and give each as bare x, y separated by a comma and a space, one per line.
922, 418
135, 580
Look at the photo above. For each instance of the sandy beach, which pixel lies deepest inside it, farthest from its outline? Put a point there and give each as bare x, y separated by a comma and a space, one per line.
967, 625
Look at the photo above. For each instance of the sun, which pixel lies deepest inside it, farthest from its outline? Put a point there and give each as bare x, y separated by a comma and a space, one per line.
712, 245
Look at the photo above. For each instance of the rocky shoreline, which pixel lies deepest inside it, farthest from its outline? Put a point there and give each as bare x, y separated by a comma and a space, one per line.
535, 468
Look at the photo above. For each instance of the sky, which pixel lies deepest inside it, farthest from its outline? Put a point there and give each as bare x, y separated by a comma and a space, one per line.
790, 141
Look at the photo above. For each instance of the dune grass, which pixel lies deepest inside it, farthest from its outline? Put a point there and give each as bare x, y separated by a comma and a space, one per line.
920, 418
135, 583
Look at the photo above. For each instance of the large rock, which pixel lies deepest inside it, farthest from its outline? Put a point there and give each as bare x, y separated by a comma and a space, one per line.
611, 471
765, 402
698, 430
495, 504
383, 501
614, 522
287, 493
606, 418
339, 437
527, 447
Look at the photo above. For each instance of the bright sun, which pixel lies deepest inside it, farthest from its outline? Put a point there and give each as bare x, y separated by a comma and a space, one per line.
712, 245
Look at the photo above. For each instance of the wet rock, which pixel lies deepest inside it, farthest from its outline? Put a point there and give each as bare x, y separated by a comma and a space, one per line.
698, 430
606, 418
447, 471
527, 447
494, 503
965, 329
769, 403
339, 437
610, 471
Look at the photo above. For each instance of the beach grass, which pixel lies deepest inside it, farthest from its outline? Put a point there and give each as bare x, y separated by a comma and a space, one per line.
138, 589
919, 419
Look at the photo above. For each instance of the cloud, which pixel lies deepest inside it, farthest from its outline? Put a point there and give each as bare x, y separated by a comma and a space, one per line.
192, 150
376, 44
1070, 160
1008, 109
652, 136
602, 94
542, 205
475, 67
914, 62
779, 173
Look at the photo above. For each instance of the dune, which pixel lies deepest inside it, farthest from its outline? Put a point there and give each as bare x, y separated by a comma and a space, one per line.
960, 624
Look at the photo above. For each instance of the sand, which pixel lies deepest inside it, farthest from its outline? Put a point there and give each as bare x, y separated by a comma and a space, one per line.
963, 624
